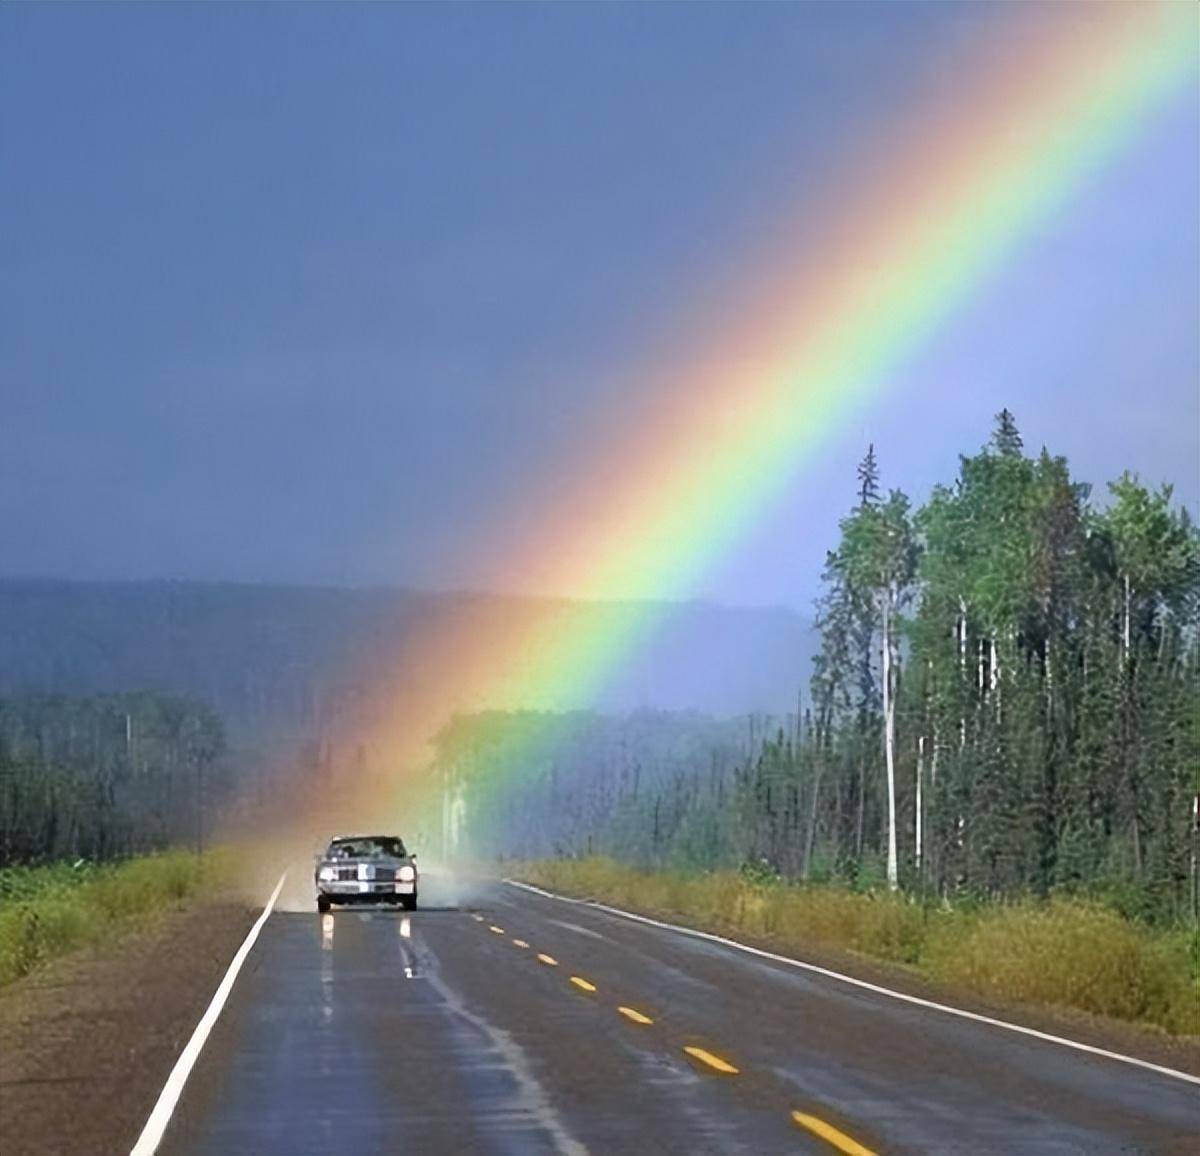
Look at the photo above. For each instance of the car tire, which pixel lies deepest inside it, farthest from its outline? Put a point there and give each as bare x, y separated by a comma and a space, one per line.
323, 904
408, 902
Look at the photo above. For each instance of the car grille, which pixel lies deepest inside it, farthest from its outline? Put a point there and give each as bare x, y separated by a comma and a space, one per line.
378, 874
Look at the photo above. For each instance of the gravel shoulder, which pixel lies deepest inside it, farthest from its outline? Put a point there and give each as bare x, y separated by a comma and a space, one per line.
87, 1041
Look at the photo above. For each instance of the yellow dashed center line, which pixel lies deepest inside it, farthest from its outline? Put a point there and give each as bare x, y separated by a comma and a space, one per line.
813, 1124
828, 1132
631, 1013
715, 1062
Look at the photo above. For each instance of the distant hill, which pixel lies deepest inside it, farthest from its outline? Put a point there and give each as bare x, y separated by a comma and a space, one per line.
280, 661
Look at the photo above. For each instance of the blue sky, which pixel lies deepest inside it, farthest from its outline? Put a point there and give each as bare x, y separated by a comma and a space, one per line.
313, 293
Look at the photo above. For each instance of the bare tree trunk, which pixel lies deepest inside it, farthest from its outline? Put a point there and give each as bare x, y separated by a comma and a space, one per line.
934, 863
1195, 859
862, 807
1126, 630
962, 667
918, 818
1136, 832
810, 838
889, 742
445, 813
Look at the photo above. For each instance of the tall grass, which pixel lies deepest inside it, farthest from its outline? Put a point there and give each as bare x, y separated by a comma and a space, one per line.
1062, 953
48, 911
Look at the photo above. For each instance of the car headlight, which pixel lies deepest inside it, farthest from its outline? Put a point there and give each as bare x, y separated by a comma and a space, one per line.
327, 874
406, 874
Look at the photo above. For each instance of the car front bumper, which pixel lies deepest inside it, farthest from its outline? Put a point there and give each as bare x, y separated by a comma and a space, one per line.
363, 889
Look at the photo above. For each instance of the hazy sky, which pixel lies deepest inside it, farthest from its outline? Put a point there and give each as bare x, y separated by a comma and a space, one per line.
315, 293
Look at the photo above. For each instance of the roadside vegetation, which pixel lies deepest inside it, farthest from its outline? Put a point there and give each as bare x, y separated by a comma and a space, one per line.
992, 778
1005, 704
107, 776
1060, 953
50, 910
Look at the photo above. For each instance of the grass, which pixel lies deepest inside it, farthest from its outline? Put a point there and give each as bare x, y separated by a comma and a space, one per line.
1060, 953
48, 911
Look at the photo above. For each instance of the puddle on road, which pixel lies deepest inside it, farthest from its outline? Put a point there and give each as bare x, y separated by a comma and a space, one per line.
575, 927
493, 1062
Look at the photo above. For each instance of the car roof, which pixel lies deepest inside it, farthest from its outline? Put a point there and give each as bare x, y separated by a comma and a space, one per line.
356, 838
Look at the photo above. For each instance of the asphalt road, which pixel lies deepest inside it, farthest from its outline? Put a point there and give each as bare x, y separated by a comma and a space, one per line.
497, 1027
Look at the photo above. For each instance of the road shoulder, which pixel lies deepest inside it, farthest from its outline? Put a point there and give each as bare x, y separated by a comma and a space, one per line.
87, 1041
1146, 1043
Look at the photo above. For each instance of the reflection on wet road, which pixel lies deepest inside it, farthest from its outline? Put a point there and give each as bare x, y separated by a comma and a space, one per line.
504, 1028
345, 1039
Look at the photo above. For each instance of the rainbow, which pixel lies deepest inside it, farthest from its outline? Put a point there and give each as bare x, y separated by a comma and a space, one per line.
907, 235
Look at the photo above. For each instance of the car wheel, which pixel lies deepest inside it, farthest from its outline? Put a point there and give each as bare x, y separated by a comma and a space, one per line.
409, 902
323, 904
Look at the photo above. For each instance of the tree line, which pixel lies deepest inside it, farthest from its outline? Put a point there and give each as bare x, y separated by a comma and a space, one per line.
103, 776
1006, 701
1025, 661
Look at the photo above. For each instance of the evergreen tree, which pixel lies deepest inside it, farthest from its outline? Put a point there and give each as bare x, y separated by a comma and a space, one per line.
1006, 440
1045, 736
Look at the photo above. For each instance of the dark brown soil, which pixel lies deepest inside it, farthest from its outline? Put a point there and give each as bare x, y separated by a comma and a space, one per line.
86, 1042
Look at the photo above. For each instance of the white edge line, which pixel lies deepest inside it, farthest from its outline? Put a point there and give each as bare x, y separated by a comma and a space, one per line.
160, 1117
862, 983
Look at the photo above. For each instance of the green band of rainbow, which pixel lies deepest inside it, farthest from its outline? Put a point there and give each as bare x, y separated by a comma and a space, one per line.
914, 235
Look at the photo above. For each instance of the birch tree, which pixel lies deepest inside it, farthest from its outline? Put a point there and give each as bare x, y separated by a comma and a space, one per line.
879, 552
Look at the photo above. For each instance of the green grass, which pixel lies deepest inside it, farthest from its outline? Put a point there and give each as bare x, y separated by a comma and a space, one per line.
1061, 953
48, 911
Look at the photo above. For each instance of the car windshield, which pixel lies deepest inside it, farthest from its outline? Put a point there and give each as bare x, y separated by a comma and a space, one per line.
376, 847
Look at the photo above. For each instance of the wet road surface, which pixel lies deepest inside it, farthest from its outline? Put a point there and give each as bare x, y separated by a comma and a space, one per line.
518, 1024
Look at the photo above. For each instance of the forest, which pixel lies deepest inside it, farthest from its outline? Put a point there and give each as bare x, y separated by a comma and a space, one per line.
1006, 702
106, 776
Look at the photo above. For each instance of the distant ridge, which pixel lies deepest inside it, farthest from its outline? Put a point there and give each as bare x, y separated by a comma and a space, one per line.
282, 660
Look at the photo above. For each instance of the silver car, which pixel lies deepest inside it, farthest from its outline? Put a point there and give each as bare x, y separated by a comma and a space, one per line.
366, 869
